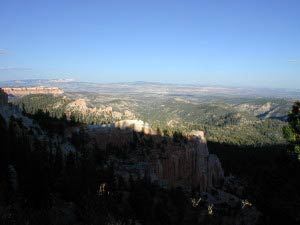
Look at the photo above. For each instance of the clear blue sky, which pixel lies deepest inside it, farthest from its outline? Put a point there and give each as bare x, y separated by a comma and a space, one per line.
247, 43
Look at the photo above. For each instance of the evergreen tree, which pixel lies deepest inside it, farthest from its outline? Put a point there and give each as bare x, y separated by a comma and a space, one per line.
292, 130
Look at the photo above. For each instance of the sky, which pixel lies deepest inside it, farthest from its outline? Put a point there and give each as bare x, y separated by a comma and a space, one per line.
218, 42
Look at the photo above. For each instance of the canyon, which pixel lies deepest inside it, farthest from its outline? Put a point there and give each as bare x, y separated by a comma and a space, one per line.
136, 153
225, 119
186, 164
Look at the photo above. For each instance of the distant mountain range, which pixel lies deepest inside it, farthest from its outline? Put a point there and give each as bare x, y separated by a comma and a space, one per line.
153, 88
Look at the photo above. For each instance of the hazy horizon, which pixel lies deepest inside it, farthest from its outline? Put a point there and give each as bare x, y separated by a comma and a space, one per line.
231, 43
69, 80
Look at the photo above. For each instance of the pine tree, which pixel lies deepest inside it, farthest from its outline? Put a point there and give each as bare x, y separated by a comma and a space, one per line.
292, 131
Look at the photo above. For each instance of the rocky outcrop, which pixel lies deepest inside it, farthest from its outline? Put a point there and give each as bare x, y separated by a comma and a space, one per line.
21, 91
77, 105
215, 171
189, 166
3, 97
6, 110
136, 125
81, 106
186, 164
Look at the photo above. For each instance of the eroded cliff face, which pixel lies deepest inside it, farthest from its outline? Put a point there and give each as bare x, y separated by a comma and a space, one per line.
3, 98
185, 164
81, 106
21, 91
189, 165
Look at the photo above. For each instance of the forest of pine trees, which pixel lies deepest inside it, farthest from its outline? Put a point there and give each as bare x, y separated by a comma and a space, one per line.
41, 183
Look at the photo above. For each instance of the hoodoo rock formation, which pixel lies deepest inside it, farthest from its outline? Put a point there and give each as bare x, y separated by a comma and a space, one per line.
81, 106
186, 164
20, 91
189, 166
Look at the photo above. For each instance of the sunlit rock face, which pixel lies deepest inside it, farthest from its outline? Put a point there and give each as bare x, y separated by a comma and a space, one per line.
77, 105
136, 125
188, 166
20, 91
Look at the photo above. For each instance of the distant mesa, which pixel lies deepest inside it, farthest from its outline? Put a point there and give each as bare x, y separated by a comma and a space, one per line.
21, 91
62, 80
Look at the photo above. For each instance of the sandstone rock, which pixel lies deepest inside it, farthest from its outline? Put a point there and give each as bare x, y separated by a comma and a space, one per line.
116, 115
128, 114
190, 166
215, 171
78, 105
108, 109
20, 91
136, 125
